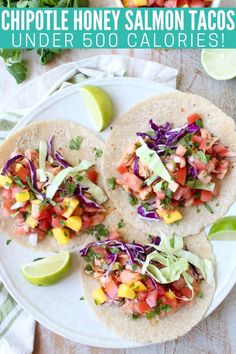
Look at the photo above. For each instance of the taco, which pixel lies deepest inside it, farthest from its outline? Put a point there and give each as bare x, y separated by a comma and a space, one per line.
151, 291
171, 163
50, 184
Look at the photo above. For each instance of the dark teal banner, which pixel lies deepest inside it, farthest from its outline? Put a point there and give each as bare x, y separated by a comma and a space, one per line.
118, 28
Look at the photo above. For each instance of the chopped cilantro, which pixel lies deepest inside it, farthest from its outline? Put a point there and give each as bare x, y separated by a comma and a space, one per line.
200, 295
18, 181
98, 231
169, 193
62, 222
114, 249
134, 316
81, 298
8, 242
76, 143
121, 224
70, 188
201, 156
134, 267
198, 210
50, 234
207, 206
98, 152
133, 200
111, 183
217, 204
199, 123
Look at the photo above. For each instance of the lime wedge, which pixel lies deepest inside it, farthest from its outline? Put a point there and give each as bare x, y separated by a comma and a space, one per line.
223, 229
99, 105
220, 64
48, 270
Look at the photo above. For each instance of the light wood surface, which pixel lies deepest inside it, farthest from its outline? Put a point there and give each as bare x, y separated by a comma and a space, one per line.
217, 333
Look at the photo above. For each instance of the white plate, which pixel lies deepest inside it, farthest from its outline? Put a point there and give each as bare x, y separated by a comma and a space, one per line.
58, 307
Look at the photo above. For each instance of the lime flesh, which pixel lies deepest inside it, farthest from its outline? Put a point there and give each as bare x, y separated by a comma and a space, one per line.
99, 105
223, 229
48, 270
220, 64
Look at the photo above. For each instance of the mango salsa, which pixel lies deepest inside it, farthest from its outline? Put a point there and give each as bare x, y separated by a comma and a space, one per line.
126, 292
22, 196
31, 222
74, 223
99, 296
170, 218
5, 181
70, 204
62, 235
138, 286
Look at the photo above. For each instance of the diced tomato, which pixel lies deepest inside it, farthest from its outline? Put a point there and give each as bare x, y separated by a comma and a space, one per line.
141, 295
6, 208
24, 208
121, 168
44, 225
193, 118
186, 292
160, 195
161, 290
141, 307
197, 202
181, 150
152, 297
206, 196
7, 193
44, 214
111, 289
86, 221
180, 175
59, 209
170, 302
22, 173
92, 175
57, 221
100, 250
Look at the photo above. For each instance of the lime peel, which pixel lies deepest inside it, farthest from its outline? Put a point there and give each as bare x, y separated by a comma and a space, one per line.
223, 229
220, 64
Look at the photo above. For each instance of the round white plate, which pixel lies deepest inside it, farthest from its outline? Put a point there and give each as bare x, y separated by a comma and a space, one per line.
59, 307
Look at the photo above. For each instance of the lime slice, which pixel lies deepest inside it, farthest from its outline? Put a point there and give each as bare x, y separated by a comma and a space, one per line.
99, 105
220, 64
48, 270
223, 229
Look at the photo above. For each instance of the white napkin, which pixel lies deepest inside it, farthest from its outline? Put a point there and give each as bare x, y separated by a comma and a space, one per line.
16, 326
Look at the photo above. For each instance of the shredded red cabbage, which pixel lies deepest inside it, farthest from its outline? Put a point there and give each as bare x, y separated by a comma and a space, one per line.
136, 166
147, 214
88, 202
10, 162
49, 144
62, 162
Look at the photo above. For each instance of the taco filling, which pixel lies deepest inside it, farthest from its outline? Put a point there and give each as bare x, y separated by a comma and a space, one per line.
170, 168
151, 280
45, 196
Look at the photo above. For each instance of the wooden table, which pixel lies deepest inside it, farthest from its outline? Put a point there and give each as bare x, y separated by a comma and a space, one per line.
217, 333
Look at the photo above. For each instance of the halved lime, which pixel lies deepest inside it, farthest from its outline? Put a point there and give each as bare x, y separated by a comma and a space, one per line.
220, 64
223, 229
99, 105
48, 270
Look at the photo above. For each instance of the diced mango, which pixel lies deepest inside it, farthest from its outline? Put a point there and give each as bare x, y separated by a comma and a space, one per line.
18, 167
99, 296
170, 295
31, 222
138, 286
70, 204
170, 218
74, 223
139, 3
5, 181
116, 266
62, 235
36, 201
126, 292
22, 196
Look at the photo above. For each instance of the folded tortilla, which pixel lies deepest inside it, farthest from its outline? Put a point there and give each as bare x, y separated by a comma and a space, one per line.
63, 132
142, 330
173, 108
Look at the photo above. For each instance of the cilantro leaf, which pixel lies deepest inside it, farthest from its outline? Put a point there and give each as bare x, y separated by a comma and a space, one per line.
111, 183
76, 143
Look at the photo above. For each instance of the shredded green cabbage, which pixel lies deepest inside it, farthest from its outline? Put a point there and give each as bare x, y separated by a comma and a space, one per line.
69, 171
42, 160
93, 189
153, 161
